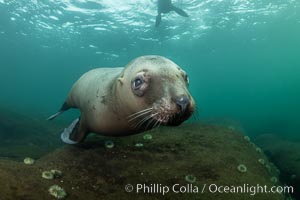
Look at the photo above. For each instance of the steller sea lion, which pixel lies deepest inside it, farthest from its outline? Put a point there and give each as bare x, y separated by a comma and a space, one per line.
148, 92
165, 6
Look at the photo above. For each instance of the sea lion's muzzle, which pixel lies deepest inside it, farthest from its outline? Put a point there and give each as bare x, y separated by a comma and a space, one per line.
184, 110
182, 103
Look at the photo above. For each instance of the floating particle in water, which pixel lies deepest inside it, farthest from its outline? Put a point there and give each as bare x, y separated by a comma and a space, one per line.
29, 161
262, 161
247, 138
147, 137
57, 191
47, 175
242, 168
109, 144
190, 178
274, 179
139, 145
56, 173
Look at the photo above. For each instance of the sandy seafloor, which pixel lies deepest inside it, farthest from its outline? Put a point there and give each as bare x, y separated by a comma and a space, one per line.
210, 153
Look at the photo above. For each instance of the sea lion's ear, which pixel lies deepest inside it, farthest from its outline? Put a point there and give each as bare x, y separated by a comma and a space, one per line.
121, 80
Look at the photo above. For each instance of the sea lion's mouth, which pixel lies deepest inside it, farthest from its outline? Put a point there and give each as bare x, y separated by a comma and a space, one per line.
178, 119
171, 119
156, 116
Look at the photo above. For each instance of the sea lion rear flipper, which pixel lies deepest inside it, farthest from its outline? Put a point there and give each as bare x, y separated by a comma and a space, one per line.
63, 108
180, 11
75, 133
158, 20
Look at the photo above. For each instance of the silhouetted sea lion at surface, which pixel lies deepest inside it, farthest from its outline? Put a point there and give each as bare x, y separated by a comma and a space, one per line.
165, 6
148, 92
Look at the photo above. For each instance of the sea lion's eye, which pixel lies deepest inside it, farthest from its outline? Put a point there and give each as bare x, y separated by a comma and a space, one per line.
140, 84
186, 78
137, 83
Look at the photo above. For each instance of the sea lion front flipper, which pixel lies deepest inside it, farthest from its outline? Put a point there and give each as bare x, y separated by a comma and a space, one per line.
180, 11
75, 133
158, 20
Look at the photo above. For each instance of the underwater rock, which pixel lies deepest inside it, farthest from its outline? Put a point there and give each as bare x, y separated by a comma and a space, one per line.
286, 156
231, 127
21, 135
209, 152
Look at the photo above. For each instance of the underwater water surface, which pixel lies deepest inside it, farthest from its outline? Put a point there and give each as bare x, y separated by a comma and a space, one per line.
242, 58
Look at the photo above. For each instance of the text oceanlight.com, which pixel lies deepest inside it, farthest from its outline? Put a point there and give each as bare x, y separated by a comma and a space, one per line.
210, 188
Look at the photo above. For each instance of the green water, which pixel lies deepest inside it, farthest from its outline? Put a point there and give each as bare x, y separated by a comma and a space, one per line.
243, 62
242, 56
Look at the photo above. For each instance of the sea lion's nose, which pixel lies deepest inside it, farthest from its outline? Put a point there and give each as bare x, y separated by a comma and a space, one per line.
182, 103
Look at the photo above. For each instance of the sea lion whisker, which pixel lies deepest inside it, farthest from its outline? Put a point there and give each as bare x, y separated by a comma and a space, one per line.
197, 110
140, 123
139, 115
136, 113
172, 118
150, 121
196, 113
160, 121
157, 121
166, 117
195, 116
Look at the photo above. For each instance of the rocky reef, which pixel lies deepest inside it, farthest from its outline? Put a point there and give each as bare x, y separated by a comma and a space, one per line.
21, 135
194, 156
285, 153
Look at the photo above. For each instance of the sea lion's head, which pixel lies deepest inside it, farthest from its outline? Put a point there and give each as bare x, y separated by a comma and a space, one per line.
155, 91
